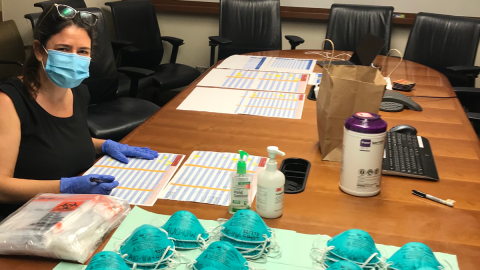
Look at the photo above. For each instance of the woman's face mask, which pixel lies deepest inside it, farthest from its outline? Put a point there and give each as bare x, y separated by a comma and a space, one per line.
66, 70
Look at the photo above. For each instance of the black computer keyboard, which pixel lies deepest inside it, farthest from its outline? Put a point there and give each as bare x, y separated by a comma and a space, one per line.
408, 155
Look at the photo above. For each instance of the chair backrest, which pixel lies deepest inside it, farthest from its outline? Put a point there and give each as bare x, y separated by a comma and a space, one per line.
73, 3
252, 25
103, 81
11, 49
439, 41
136, 21
349, 24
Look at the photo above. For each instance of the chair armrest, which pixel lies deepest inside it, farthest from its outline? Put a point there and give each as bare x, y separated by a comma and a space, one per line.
294, 41
215, 40
468, 70
173, 40
467, 90
473, 116
11, 62
176, 42
135, 75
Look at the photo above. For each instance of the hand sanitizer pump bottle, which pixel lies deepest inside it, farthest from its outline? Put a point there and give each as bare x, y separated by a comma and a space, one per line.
240, 186
270, 187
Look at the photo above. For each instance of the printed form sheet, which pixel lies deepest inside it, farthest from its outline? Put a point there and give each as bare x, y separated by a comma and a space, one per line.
205, 178
141, 180
256, 80
263, 63
269, 104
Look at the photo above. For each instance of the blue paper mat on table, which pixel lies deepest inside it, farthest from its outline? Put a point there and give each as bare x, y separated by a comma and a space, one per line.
295, 246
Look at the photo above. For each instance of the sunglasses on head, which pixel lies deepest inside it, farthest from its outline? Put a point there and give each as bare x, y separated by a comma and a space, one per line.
67, 12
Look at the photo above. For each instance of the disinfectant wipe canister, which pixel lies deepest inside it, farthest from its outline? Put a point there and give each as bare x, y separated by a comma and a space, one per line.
363, 143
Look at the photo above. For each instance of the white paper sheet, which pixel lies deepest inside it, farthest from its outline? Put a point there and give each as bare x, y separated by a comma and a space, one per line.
315, 79
215, 100
256, 80
141, 180
260, 103
294, 65
205, 178
244, 62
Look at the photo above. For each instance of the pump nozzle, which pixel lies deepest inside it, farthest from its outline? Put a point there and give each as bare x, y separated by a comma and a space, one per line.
241, 164
273, 150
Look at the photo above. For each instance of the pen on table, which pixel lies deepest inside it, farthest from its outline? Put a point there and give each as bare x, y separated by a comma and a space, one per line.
447, 202
98, 180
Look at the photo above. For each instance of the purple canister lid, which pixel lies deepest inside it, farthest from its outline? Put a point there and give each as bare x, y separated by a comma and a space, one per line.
365, 122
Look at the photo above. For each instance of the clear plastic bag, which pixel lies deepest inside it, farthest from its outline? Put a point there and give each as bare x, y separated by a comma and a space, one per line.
62, 226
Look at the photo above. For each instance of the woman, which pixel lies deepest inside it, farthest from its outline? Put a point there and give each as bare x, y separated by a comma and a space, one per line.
43, 127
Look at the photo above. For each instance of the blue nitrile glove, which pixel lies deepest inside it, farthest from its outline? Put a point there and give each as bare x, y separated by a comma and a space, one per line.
120, 151
83, 185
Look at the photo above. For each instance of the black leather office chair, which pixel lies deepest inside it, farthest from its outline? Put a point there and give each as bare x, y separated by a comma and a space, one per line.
12, 50
446, 43
249, 26
33, 17
136, 22
73, 3
111, 117
349, 24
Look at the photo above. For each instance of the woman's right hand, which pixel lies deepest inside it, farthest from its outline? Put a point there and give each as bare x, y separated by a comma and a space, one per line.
84, 185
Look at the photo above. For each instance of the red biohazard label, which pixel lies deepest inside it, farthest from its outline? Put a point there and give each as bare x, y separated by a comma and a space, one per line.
67, 206
262, 162
177, 160
304, 77
278, 189
301, 97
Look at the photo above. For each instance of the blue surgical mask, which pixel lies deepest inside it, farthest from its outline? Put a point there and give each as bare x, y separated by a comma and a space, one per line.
107, 260
66, 70
222, 256
148, 246
249, 234
186, 230
414, 256
354, 245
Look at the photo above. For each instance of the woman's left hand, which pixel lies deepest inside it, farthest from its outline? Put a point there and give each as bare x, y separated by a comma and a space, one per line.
120, 151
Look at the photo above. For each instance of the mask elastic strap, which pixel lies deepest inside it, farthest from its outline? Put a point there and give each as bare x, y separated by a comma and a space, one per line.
385, 59
161, 259
368, 260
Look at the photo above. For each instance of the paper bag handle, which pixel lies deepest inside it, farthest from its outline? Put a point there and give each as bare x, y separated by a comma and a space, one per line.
385, 59
333, 51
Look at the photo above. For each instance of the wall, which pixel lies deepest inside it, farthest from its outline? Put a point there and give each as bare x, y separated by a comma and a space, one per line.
195, 29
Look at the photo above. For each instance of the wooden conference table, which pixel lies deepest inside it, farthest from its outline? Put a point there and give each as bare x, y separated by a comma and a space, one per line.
394, 217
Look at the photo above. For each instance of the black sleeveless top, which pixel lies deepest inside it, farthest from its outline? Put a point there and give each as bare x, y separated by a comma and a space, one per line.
51, 147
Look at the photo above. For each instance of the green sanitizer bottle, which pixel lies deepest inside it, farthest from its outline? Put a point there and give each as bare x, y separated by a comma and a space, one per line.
240, 186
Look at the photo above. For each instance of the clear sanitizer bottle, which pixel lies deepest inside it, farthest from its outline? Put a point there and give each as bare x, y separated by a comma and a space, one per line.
270, 187
240, 186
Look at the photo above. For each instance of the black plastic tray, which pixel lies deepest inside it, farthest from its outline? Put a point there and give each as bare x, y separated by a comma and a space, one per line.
296, 173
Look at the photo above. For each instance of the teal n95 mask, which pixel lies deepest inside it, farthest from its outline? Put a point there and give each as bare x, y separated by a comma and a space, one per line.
414, 256
220, 255
344, 265
186, 231
249, 234
354, 245
148, 247
107, 260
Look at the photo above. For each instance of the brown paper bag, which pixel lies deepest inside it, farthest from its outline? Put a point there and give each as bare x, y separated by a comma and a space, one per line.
345, 90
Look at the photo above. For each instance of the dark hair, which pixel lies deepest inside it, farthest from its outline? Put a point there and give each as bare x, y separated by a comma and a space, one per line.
49, 24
